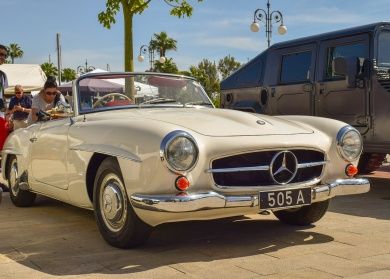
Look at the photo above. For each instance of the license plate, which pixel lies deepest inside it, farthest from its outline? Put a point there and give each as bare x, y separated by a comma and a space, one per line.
285, 198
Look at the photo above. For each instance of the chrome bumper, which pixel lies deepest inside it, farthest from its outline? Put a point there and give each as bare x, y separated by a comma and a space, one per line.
191, 202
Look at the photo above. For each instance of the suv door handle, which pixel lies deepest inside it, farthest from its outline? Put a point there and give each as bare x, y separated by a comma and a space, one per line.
33, 139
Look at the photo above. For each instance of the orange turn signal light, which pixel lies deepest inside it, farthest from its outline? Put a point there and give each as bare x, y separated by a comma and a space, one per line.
182, 183
351, 170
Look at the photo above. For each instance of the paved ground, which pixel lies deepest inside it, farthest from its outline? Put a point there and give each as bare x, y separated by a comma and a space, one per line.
55, 239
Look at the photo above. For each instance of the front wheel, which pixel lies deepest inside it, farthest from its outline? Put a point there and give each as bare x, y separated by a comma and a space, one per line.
116, 219
19, 197
304, 215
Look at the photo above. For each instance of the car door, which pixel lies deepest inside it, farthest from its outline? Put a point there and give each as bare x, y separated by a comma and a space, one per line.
293, 93
49, 153
333, 98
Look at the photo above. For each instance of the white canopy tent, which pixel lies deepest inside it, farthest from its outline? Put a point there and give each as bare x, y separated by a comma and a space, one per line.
30, 76
142, 89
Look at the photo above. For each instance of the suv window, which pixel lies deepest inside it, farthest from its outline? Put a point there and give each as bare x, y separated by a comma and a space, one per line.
295, 67
357, 49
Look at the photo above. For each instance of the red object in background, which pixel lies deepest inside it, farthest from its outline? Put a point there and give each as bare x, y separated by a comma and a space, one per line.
167, 81
118, 103
3, 132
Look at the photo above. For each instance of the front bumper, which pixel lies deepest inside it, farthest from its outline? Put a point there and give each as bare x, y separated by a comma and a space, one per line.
209, 201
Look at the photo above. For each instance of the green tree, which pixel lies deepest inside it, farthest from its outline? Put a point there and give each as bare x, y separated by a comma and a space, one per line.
68, 74
161, 43
206, 73
130, 8
49, 69
14, 51
167, 67
227, 66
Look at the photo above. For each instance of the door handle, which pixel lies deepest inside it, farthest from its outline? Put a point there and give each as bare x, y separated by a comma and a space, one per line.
308, 87
33, 139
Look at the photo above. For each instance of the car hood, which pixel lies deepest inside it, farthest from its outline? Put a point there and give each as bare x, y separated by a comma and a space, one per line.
215, 122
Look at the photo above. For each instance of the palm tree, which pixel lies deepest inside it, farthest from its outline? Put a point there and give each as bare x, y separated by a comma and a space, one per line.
68, 74
161, 43
167, 67
14, 51
49, 69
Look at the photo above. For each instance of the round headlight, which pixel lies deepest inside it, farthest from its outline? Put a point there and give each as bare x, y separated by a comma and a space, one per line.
179, 150
349, 143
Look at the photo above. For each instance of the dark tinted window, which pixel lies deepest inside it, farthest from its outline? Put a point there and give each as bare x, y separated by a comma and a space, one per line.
249, 75
384, 50
358, 50
296, 67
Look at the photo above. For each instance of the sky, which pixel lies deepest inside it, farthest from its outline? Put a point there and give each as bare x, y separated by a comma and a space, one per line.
217, 28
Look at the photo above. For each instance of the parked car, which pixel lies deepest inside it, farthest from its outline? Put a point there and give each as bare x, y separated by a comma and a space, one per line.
174, 157
300, 77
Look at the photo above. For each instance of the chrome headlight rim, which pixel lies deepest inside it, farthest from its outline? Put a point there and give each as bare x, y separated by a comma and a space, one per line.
167, 140
340, 137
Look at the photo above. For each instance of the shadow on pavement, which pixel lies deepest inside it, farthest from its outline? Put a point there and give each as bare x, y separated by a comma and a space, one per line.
65, 241
375, 203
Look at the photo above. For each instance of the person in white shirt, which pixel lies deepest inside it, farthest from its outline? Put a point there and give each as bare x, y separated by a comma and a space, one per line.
45, 100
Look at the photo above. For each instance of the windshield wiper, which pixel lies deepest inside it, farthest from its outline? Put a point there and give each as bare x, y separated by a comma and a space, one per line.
197, 103
158, 101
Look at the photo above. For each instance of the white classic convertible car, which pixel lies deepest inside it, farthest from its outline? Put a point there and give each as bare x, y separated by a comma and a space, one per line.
142, 149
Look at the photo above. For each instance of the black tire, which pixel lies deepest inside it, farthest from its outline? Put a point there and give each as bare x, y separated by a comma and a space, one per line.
305, 215
19, 197
370, 162
125, 229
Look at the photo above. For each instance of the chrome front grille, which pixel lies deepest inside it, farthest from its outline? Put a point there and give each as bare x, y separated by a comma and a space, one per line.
254, 169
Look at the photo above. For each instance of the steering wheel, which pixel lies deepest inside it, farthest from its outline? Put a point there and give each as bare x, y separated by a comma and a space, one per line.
101, 100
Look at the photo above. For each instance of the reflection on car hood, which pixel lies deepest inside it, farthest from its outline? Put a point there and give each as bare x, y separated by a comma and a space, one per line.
214, 122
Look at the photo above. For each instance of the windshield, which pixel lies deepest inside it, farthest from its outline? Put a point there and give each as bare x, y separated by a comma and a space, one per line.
104, 91
384, 50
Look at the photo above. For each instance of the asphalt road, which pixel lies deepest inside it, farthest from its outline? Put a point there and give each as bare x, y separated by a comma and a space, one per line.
55, 239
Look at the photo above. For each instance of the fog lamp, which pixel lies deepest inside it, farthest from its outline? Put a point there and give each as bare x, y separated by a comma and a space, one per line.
182, 183
351, 170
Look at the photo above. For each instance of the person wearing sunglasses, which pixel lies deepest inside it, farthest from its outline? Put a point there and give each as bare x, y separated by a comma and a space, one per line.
19, 107
45, 100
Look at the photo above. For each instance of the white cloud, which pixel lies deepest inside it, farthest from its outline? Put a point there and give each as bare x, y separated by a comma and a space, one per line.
323, 15
236, 42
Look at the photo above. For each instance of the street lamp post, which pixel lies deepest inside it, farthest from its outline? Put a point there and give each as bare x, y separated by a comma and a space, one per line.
266, 17
81, 70
147, 49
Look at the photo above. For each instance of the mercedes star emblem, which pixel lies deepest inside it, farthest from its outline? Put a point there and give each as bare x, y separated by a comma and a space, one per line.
283, 167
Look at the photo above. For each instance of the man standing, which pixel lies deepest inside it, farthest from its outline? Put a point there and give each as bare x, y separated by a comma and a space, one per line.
3, 85
19, 107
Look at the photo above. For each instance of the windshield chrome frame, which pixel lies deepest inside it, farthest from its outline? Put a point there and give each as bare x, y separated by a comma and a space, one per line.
108, 75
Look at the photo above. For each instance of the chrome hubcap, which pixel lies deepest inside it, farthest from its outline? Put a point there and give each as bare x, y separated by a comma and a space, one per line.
113, 202
13, 178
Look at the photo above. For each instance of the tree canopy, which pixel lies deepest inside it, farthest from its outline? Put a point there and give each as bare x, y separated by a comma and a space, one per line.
49, 69
14, 51
68, 74
179, 8
161, 43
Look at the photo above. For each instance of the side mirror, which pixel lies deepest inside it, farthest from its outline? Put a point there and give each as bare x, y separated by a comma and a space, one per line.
348, 67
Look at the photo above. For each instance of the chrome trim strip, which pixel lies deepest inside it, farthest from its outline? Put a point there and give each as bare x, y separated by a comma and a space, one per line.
311, 164
107, 150
191, 202
256, 168
263, 168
